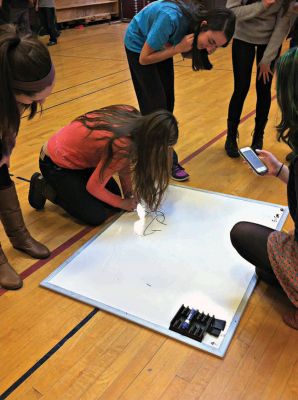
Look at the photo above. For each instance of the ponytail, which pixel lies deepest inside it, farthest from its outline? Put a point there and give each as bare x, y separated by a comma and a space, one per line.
22, 58
9, 111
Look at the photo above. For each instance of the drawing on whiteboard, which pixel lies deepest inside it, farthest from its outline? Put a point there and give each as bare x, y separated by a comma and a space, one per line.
146, 219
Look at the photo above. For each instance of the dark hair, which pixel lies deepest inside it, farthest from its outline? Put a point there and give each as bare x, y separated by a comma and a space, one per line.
218, 20
150, 137
287, 97
22, 58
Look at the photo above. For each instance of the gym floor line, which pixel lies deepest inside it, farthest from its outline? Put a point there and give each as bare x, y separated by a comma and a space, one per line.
90, 80
49, 354
89, 93
37, 265
79, 97
91, 58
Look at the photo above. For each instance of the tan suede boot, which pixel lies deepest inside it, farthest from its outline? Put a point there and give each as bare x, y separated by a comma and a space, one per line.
9, 279
13, 222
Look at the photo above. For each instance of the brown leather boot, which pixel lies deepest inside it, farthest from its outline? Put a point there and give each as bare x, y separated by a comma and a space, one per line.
13, 222
9, 279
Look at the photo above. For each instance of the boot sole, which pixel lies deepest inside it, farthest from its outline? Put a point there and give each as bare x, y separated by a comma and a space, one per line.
38, 204
12, 287
43, 257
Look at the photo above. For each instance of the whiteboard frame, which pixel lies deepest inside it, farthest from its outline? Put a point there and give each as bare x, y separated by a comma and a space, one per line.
221, 350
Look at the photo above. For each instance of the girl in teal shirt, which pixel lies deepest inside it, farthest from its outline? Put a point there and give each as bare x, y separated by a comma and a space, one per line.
161, 30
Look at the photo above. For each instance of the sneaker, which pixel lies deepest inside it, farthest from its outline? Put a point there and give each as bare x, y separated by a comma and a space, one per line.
51, 43
36, 197
179, 173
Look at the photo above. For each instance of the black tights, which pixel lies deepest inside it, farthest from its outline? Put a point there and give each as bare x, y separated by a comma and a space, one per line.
5, 180
243, 55
250, 240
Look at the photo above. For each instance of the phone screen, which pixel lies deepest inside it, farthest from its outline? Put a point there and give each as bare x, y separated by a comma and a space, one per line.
253, 159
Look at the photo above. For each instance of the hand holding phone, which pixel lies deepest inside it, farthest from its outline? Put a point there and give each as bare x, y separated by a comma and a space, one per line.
253, 160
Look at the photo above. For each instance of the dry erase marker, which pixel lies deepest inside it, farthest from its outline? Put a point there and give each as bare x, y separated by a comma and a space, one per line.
190, 316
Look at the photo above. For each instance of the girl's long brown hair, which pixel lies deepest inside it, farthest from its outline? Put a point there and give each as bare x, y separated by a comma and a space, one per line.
150, 136
22, 58
287, 97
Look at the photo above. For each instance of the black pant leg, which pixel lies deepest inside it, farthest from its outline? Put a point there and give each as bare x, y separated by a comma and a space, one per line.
51, 23
263, 89
43, 19
154, 86
72, 195
243, 55
147, 83
166, 73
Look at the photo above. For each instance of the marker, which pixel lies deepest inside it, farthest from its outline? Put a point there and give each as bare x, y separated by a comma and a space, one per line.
190, 316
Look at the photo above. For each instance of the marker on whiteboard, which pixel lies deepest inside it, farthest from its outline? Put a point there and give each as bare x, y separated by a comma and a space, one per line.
186, 323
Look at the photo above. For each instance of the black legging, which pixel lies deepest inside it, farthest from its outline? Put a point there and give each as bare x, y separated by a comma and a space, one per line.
47, 18
71, 193
243, 55
250, 241
5, 180
153, 84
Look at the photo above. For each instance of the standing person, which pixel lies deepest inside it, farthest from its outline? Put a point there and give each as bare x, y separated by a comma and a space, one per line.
4, 12
26, 79
261, 27
274, 253
19, 14
160, 31
47, 15
79, 161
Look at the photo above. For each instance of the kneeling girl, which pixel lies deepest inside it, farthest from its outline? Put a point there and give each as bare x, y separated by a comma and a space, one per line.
79, 161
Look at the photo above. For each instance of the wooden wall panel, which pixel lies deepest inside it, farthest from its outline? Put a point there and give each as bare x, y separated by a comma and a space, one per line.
69, 10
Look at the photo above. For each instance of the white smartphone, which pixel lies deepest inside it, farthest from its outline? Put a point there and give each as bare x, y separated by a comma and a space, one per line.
253, 160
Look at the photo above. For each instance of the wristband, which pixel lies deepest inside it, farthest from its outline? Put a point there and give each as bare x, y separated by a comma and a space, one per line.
279, 171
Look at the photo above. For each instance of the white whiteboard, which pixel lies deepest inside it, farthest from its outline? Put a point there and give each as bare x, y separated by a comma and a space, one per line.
189, 261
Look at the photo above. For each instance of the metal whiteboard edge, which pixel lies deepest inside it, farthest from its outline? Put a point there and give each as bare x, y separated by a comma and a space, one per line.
220, 352
77, 252
229, 195
236, 318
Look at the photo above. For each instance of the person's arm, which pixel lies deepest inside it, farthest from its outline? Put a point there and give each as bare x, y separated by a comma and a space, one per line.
281, 29
125, 180
157, 47
150, 56
36, 5
275, 167
96, 187
249, 11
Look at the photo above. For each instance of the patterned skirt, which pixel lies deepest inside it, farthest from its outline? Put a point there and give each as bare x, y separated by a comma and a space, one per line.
283, 255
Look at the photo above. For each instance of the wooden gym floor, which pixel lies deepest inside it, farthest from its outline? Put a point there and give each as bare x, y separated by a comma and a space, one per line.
53, 347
